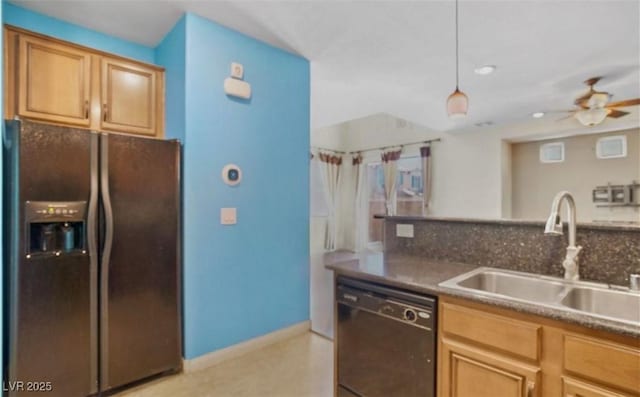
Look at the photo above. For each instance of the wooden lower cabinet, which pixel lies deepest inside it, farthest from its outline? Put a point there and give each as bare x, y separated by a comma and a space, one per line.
486, 351
575, 388
607, 363
471, 372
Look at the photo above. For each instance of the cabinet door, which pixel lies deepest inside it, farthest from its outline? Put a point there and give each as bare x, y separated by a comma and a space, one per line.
574, 388
54, 82
470, 372
129, 97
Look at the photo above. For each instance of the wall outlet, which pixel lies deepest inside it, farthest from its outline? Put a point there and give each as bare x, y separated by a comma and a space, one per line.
404, 230
228, 216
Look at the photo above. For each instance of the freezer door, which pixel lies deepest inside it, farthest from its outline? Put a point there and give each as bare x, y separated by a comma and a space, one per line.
140, 273
52, 294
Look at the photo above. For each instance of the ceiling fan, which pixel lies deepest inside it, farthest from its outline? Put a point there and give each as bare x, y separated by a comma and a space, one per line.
594, 106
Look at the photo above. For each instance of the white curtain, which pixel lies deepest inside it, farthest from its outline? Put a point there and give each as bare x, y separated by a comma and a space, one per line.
361, 202
390, 171
427, 172
330, 172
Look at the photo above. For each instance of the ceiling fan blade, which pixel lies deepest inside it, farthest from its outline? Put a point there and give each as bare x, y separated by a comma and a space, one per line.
616, 113
621, 104
560, 111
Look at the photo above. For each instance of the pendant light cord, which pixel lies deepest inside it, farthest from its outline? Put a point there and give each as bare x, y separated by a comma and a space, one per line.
457, 67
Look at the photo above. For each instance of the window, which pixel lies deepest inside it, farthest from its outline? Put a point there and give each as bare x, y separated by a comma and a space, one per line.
375, 186
409, 186
409, 193
612, 147
552, 152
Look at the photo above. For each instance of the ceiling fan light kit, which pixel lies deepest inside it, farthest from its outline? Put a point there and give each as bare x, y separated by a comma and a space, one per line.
457, 103
598, 100
594, 106
591, 117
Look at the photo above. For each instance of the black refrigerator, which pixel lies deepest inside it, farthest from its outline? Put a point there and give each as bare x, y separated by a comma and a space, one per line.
92, 260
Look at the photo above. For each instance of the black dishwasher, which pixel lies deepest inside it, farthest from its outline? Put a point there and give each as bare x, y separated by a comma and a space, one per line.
386, 341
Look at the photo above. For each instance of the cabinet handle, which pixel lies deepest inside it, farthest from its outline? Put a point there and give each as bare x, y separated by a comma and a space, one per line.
86, 109
105, 110
531, 387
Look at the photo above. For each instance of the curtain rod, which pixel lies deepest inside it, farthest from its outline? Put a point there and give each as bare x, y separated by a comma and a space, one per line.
378, 148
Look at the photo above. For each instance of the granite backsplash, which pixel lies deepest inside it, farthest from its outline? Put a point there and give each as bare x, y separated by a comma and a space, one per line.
609, 254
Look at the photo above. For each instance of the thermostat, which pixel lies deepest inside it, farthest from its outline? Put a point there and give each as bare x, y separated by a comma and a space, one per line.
231, 174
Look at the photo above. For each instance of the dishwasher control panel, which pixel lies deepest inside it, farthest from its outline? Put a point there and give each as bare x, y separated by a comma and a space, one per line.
398, 305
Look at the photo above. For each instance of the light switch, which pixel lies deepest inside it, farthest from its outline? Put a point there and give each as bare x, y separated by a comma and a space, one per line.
228, 216
404, 230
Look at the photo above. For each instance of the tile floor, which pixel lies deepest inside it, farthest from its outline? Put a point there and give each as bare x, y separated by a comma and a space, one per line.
299, 367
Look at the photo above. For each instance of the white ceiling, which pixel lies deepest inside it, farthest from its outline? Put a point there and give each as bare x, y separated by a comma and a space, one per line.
398, 56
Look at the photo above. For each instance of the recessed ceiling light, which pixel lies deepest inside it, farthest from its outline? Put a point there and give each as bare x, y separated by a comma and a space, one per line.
538, 115
485, 69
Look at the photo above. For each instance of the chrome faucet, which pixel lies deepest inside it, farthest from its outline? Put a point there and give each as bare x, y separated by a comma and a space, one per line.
554, 227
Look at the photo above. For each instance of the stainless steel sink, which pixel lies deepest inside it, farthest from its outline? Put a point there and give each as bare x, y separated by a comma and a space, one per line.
515, 285
609, 303
586, 297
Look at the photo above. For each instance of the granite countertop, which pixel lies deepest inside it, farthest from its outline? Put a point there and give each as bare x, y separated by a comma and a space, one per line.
595, 225
423, 275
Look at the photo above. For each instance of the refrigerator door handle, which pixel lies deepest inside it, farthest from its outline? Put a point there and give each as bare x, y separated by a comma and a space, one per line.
106, 200
106, 257
92, 245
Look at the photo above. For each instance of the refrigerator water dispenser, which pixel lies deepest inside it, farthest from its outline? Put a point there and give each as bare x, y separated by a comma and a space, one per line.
55, 228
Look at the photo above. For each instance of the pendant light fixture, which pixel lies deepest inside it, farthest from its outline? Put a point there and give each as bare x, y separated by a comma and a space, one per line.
457, 103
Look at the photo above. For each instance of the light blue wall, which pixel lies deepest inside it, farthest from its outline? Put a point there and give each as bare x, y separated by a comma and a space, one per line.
171, 53
26, 19
252, 278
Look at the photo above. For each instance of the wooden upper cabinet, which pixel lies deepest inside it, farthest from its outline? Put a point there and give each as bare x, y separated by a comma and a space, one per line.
54, 82
129, 96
